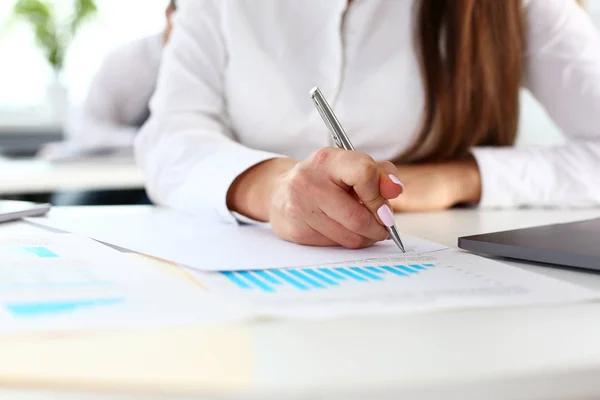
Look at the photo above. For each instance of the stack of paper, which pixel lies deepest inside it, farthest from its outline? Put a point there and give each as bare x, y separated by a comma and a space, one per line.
250, 265
214, 246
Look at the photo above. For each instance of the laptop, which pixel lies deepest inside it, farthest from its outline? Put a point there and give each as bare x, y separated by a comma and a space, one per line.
575, 244
13, 210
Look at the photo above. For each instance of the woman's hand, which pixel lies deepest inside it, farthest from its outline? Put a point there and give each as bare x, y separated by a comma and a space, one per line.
335, 197
433, 187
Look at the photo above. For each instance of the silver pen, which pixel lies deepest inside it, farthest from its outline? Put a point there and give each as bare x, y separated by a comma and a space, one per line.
342, 140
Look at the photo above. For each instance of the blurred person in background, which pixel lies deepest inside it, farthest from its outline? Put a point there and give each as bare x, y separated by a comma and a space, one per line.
428, 89
113, 112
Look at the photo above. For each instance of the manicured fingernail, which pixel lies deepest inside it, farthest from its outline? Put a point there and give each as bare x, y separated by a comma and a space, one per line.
396, 180
386, 215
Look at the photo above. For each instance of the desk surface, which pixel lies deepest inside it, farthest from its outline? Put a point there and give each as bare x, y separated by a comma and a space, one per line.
37, 176
540, 353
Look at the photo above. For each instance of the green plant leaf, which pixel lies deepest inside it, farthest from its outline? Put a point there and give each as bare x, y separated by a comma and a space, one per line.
41, 16
53, 37
84, 10
34, 10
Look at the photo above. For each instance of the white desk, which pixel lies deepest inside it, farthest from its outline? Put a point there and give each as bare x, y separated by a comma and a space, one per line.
528, 353
36, 176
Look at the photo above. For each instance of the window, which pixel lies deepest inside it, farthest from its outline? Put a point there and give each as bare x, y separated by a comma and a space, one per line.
24, 73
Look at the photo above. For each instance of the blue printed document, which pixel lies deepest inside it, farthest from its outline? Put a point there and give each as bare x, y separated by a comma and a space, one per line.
56, 282
448, 279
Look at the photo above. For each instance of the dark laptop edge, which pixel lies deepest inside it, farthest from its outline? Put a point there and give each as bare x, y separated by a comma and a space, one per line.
470, 243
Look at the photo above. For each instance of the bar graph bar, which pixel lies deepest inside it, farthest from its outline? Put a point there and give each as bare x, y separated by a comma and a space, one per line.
366, 273
268, 277
395, 271
289, 279
35, 251
351, 274
233, 277
376, 270
57, 308
256, 281
310, 279
323, 278
332, 274
305, 279
407, 270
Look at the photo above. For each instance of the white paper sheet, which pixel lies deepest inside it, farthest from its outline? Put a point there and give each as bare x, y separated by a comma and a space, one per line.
58, 282
444, 280
214, 246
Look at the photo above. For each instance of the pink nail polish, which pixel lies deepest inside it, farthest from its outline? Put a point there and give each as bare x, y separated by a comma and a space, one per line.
386, 215
396, 180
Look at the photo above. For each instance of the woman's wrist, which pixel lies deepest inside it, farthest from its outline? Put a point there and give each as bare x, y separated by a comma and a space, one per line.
465, 180
250, 194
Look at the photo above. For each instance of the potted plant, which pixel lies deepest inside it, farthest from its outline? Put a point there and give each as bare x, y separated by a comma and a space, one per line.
54, 36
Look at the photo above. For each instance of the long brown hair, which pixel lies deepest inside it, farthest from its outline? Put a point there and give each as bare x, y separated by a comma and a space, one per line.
471, 55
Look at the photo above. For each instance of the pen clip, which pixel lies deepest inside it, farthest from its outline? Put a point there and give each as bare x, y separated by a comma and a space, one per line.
334, 136
335, 128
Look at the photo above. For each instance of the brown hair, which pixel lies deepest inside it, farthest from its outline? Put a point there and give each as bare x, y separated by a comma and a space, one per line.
471, 56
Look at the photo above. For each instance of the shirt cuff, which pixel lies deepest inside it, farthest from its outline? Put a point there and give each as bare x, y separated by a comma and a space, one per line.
204, 191
499, 182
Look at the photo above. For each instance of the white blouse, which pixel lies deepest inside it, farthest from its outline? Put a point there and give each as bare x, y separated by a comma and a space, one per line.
234, 83
117, 102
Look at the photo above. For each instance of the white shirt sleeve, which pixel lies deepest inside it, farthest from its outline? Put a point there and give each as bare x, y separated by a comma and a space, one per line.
188, 150
562, 68
101, 120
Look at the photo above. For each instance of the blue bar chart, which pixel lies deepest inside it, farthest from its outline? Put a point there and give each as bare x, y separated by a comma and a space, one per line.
447, 280
54, 308
41, 252
30, 275
38, 252
309, 279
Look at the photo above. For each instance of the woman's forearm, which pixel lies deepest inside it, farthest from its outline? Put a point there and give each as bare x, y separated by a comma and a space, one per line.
465, 180
434, 187
250, 193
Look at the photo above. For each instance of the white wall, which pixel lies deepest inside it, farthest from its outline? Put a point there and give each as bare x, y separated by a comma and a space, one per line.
536, 127
24, 74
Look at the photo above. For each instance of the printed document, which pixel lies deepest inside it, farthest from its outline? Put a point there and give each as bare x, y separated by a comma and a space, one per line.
56, 282
216, 246
449, 279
